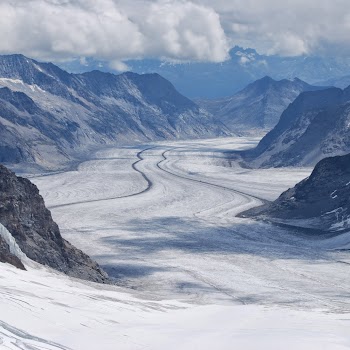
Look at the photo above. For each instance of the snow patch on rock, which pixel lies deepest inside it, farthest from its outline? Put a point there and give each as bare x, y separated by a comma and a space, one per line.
14, 248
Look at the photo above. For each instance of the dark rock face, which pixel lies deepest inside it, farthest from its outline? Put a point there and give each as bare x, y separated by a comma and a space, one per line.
259, 105
23, 213
313, 127
323, 198
50, 116
7, 257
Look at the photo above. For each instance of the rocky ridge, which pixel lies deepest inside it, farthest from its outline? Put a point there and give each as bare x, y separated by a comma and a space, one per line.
321, 201
258, 106
49, 117
24, 215
313, 127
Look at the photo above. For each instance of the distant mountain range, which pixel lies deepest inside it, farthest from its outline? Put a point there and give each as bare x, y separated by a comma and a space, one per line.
216, 80
48, 116
316, 125
258, 106
340, 82
322, 201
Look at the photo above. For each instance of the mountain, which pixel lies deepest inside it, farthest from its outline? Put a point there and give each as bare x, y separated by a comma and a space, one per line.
24, 215
259, 105
48, 116
314, 126
321, 201
208, 80
340, 82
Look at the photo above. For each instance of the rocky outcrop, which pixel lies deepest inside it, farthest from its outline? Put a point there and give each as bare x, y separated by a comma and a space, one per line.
23, 213
321, 201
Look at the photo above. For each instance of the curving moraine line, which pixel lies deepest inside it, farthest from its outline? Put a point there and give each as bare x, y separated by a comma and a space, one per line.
205, 182
133, 165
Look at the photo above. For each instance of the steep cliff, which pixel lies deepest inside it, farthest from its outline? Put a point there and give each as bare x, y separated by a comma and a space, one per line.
313, 127
23, 213
320, 201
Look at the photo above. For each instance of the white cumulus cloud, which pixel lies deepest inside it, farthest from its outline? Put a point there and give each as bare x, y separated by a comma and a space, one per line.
111, 30
289, 27
178, 30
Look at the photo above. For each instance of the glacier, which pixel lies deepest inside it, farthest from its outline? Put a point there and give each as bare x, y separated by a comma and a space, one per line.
188, 272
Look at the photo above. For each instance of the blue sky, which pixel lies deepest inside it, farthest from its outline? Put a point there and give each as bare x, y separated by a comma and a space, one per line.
198, 30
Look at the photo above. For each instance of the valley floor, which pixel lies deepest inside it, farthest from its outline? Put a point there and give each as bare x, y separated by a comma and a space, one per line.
160, 219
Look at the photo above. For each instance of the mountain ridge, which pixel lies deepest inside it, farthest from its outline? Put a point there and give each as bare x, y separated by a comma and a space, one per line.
89, 110
313, 127
320, 201
259, 105
244, 66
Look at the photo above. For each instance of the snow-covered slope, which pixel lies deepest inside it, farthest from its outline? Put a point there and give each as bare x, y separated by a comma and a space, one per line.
42, 310
258, 106
48, 116
314, 126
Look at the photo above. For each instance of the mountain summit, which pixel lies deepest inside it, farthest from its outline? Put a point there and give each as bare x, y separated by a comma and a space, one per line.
259, 105
314, 126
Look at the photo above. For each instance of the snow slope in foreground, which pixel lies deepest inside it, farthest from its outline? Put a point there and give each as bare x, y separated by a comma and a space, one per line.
43, 310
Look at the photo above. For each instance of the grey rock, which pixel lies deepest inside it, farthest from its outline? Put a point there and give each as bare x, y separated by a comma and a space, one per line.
313, 127
321, 201
23, 213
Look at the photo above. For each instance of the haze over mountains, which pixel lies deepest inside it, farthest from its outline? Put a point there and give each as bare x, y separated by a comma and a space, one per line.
215, 80
340, 82
48, 115
258, 106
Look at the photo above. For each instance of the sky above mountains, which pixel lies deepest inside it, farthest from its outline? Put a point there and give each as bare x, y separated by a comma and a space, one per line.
179, 30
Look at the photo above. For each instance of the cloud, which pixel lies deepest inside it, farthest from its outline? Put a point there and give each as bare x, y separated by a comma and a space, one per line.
119, 66
288, 28
183, 30
111, 30
175, 30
